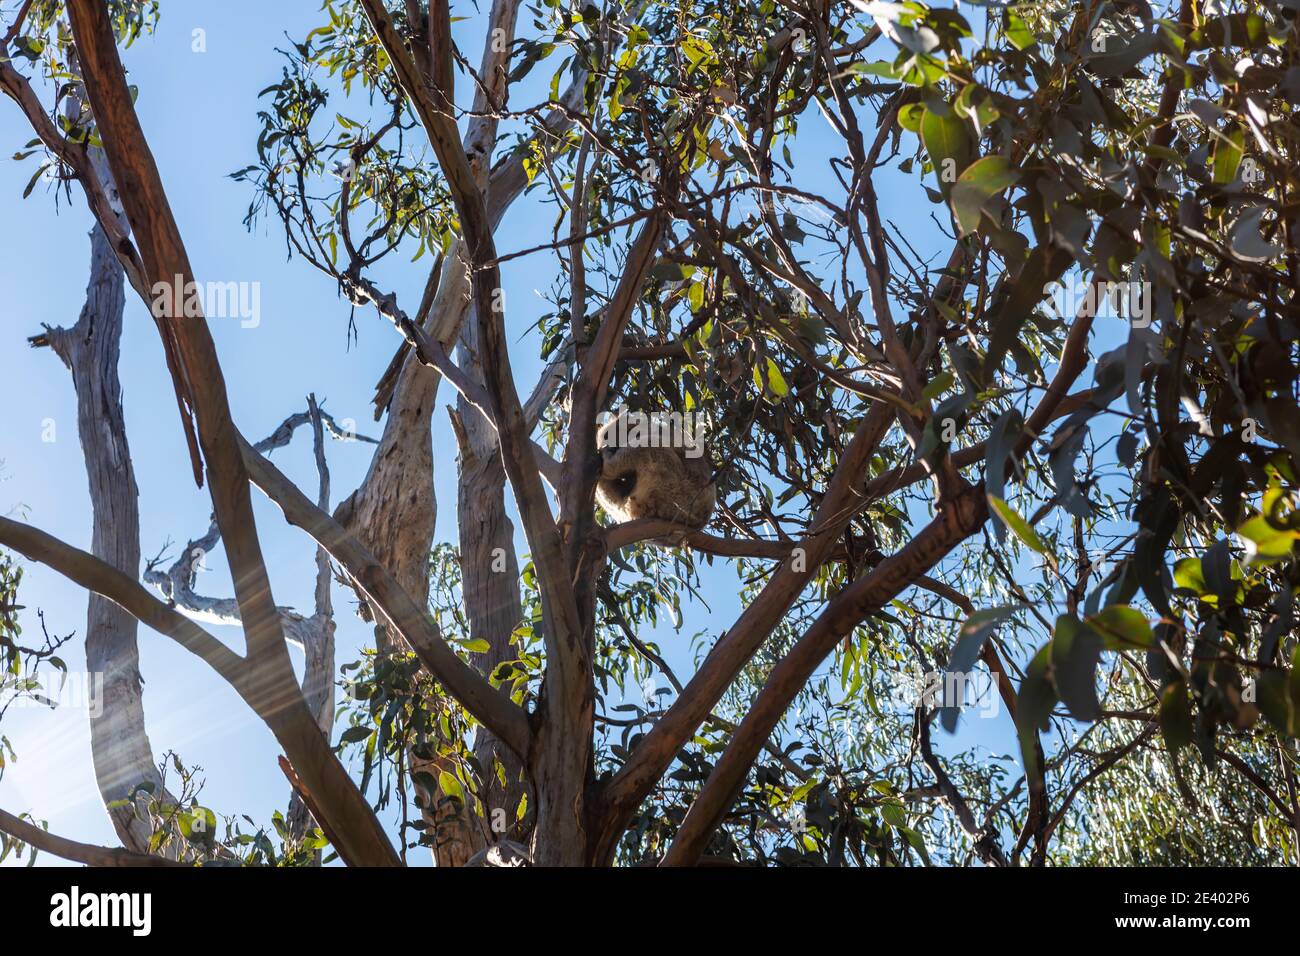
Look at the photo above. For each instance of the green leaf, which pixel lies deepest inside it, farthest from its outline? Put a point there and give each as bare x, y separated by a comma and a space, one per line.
974, 103
977, 184
942, 382
29, 47
354, 734
1045, 263
668, 271
1018, 525
450, 786
1034, 706
916, 841
199, 824
776, 381
970, 641
1221, 573
948, 144
1176, 716
1076, 652
1228, 151
909, 117
1002, 440
1293, 686
696, 296
1118, 53
1122, 628
1018, 33
878, 68
1275, 702
892, 813
31, 183
698, 53
1188, 575
1266, 544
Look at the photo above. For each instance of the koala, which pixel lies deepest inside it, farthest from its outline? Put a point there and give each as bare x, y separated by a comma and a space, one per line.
655, 482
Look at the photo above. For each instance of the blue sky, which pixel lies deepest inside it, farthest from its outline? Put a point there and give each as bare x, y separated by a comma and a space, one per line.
198, 110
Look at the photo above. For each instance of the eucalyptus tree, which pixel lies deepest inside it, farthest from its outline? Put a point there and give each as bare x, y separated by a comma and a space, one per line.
1042, 432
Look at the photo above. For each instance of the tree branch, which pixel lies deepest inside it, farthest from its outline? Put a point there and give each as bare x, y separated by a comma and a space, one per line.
86, 853
734, 649
959, 518
102, 578
502, 717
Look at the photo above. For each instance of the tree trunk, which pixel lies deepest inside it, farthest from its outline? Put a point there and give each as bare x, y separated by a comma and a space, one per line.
394, 511
489, 587
318, 636
393, 514
119, 744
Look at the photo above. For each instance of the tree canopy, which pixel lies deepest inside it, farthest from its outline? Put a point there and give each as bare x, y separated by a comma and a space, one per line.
1039, 435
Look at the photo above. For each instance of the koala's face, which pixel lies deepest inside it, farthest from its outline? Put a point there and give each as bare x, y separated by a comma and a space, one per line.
624, 486
618, 485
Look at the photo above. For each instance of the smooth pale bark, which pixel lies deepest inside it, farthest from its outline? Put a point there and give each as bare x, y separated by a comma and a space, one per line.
176, 583
200, 385
489, 568
318, 637
560, 760
120, 750
378, 586
394, 511
489, 585
119, 744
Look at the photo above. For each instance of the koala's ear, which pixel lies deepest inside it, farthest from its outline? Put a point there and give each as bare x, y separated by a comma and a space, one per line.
604, 433
606, 455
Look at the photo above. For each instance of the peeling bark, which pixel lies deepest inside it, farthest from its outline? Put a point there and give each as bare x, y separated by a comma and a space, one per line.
394, 511
205, 410
489, 585
119, 743
318, 639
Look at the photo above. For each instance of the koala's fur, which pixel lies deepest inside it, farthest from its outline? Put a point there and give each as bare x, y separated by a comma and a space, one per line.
656, 483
